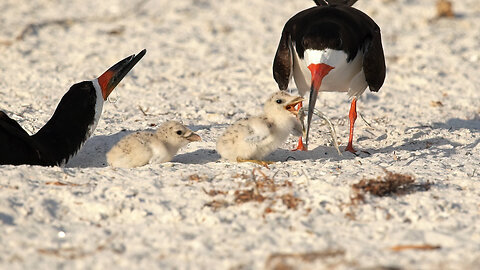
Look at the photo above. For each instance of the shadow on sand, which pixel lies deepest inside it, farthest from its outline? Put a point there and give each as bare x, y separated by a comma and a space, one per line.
200, 156
436, 145
93, 152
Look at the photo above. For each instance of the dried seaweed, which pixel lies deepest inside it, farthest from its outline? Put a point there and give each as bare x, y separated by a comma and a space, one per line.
445, 9
217, 204
436, 103
258, 188
391, 184
73, 253
291, 201
284, 261
243, 196
215, 192
9, 187
197, 178
415, 247
58, 183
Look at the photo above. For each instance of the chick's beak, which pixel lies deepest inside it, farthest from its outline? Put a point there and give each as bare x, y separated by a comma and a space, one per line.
292, 104
193, 137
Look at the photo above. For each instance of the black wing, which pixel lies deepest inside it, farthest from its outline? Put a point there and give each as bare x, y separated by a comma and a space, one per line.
374, 62
16, 146
282, 63
335, 2
10, 122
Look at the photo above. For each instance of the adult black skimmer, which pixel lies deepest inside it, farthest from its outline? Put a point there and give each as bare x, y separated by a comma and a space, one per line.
72, 123
330, 47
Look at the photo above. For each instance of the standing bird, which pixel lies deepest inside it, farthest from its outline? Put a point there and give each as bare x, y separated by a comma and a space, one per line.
330, 47
72, 123
254, 138
143, 147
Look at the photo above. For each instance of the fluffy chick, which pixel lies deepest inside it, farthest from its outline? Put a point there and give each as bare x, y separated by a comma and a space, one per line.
142, 147
256, 137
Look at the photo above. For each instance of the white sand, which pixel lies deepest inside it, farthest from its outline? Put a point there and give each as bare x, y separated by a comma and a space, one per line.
209, 64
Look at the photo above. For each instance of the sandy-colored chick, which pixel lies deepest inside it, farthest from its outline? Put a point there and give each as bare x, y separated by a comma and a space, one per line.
256, 137
143, 147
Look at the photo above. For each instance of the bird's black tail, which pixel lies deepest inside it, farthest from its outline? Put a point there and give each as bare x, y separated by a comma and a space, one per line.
335, 2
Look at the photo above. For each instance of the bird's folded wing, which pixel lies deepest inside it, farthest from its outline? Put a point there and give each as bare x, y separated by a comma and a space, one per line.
16, 146
160, 153
10, 124
258, 131
374, 62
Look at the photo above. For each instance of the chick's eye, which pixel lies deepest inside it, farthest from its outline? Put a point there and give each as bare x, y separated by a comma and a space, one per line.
279, 101
179, 132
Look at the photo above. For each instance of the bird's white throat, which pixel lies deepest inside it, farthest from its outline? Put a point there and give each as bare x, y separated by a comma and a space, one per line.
98, 107
330, 57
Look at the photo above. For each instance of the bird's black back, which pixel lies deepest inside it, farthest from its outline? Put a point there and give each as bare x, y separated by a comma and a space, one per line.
340, 27
58, 139
63, 135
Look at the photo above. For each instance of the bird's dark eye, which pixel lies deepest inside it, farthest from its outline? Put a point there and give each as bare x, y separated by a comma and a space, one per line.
279, 101
179, 132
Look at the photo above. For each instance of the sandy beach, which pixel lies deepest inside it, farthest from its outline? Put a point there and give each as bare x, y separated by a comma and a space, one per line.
209, 64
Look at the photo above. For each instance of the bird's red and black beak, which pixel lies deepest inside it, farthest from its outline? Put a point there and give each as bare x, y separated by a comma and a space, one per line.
112, 77
318, 71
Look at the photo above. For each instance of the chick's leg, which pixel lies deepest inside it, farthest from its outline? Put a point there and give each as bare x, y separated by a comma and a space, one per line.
259, 162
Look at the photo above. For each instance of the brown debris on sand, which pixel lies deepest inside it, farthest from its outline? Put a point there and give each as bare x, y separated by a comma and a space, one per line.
391, 184
415, 247
291, 261
445, 9
257, 188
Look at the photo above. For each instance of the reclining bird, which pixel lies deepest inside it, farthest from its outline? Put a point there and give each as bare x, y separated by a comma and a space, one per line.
143, 147
72, 123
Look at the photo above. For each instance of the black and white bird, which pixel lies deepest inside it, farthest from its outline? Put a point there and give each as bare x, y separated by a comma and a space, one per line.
330, 47
143, 147
72, 123
254, 138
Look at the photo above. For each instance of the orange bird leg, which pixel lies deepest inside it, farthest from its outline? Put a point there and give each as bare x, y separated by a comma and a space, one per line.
300, 145
352, 116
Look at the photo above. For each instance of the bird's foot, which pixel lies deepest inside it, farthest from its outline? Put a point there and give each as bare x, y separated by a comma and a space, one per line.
350, 149
300, 146
259, 162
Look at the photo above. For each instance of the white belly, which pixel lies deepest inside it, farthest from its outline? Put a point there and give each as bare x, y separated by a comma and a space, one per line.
345, 77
